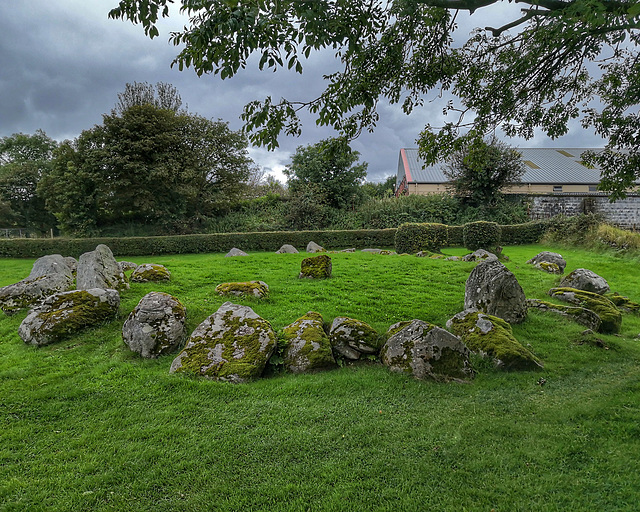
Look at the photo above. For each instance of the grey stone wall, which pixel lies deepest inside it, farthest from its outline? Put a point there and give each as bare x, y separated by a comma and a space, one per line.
624, 213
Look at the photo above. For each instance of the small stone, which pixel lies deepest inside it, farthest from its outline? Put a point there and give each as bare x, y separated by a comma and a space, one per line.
551, 262
584, 279
127, 265
314, 247
235, 252
287, 249
258, 289
480, 255
150, 272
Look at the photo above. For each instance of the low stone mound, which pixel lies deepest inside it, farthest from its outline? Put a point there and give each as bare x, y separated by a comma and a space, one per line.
426, 352
352, 338
32, 291
150, 272
66, 313
583, 316
156, 326
314, 247
308, 348
384, 252
287, 249
99, 269
480, 255
624, 303
351, 249
235, 252
127, 265
610, 316
490, 336
586, 280
494, 290
551, 262
258, 289
234, 345
316, 267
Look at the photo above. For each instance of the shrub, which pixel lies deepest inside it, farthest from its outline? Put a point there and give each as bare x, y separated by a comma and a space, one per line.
616, 238
481, 235
521, 234
577, 229
412, 237
456, 236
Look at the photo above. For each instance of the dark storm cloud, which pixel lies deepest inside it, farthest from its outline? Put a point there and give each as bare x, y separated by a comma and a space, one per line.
62, 65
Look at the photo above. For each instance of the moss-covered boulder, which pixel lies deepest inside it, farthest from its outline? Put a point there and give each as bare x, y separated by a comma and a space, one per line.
258, 289
66, 313
426, 351
308, 347
234, 345
32, 291
584, 279
316, 267
479, 255
583, 316
624, 303
551, 262
610, 316
156, 326
99, 269
490, 336
150, 272
351, 338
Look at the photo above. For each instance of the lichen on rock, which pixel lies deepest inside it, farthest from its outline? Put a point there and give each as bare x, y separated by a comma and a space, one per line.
257, 289
99, 269
351, 338
317, 267
308, 347
610, 316
150, 272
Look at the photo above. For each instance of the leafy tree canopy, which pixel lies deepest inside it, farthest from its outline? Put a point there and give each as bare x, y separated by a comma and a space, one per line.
162, 95
538, 70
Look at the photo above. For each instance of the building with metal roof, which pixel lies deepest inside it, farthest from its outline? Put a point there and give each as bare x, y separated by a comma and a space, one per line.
547, 171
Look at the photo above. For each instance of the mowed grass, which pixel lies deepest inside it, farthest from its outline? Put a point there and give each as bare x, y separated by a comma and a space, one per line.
87, 425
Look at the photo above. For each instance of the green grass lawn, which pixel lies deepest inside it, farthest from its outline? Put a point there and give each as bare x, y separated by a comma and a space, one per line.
87, 425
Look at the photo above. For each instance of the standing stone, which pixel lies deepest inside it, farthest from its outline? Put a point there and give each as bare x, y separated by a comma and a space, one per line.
352, 338
493, 289
287, 249
426, 352
583, 279
314, 247
99, 269
308, 347
551, 262
235, 252
316, 267
156, 326
150, 272
234, 345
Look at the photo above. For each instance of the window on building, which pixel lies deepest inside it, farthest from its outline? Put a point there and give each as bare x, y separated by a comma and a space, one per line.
557, 188
593, 188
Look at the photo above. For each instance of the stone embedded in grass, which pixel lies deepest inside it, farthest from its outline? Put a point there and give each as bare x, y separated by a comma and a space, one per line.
610, 316
258, 289
307, 345
624, 303
314, 247
480, 255
127, 265
490, 336
352, 338
427, 352
287, 249
583, 316
234, 345
235, 252
493, 289
99, 269
583, 279
316, 267
66, 313
150, 272
551, 262
156, 326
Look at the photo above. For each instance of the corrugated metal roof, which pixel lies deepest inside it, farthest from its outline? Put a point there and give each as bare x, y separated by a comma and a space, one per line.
542, 165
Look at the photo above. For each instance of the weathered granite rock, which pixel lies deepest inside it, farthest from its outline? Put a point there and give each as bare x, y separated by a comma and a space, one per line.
32, 291
551, 262
493, 289
51, 264
610, 316
308, 348
72, 263
352, 249
314, 247
583, 279
235, 252
234, 345
258, 289
156, 326
352, 338
127, 265
492, 337
99, 269
426, 352
150, 272
316, 267
583, 316
65, 313
287, 249
480, 255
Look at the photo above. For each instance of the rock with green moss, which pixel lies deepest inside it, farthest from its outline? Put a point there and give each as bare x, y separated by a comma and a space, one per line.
257, 289
479, 255
308, 348
150, 272
583, 316
233, 345
126, 266
99, 269
426, 351
314, 247
492, 337
551, 262
156, 326
610, 316
66, 313
351, 338
584, 279
624, 303
316, 267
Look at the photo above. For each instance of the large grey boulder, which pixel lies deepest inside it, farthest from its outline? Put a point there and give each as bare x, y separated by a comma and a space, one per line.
551, 262
99, 269
234, 345
314, 247
426, 351
156, 326
66, 313
351, 338
150, 272
51, 264
287, 249
583, 279
308, 347
235, 252
493, 289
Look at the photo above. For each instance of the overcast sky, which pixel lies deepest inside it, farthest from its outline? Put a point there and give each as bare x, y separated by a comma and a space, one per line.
62, 64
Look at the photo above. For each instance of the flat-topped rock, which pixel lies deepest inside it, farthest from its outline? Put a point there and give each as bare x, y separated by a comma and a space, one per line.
316, 267
258, 289
150, 272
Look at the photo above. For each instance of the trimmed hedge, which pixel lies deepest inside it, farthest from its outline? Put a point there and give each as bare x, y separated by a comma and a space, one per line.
456, 236
521, 234
414, 237
193, 244
481, 235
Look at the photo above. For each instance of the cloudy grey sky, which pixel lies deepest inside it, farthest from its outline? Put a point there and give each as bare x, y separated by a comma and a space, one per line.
63, 62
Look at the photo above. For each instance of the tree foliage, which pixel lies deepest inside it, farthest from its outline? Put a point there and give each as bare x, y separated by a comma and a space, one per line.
539, 70
163, 95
